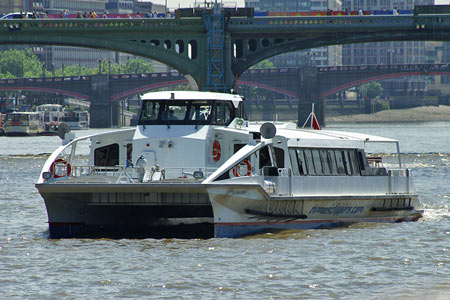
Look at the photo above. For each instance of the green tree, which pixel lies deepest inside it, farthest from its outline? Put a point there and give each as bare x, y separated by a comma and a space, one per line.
371, 89
19, 63
16, 63
264, 64
138, 65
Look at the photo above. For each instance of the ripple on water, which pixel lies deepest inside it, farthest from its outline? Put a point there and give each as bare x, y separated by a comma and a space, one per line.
361, 261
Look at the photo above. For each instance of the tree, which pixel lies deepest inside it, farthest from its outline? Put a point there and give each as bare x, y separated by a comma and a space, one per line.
371, 89
138, 65
264, 64
16, 63
19, 63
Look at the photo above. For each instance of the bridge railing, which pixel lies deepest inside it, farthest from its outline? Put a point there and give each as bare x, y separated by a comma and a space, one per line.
58, 79
99, 25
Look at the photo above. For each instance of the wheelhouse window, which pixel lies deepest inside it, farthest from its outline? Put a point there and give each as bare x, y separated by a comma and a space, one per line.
181, 112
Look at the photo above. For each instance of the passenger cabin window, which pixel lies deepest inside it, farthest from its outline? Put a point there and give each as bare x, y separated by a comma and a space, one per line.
185, 112
107, 156
279, 157
324, 162
264, 158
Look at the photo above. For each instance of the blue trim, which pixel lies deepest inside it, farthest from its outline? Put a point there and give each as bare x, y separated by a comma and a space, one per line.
115, 231
234, 231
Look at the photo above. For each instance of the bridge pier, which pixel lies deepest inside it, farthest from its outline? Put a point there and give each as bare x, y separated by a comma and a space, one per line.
308, 89
103, 112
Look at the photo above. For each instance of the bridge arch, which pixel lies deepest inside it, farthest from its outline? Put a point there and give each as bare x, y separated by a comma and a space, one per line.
379, 78
254, 39
146, 88
269, 87
46, 90
157, 39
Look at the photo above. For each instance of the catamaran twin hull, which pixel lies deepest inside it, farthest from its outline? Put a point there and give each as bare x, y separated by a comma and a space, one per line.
185, 211
195, 167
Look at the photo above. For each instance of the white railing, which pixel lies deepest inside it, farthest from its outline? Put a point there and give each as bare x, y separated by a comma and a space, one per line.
399, 181
122, 174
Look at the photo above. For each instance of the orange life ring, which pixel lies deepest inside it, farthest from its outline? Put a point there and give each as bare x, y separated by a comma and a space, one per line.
237, 169
216, 152
63, 162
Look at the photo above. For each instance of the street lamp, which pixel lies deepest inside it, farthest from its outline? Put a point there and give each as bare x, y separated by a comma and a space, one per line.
312, 58
390, 52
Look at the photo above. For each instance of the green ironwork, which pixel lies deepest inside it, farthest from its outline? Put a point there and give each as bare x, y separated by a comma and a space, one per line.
212, 56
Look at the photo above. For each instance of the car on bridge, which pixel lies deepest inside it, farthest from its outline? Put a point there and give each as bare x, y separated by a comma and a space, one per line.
17, 15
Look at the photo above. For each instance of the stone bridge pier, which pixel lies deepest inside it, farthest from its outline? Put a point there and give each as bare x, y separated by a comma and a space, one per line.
103, 112
308, 89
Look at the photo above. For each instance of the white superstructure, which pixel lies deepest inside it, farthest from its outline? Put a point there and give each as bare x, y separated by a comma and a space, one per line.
194, 166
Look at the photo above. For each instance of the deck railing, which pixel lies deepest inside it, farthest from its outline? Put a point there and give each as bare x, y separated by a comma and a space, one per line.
123, 174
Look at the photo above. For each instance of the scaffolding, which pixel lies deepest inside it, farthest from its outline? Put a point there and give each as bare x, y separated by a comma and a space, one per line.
215, 23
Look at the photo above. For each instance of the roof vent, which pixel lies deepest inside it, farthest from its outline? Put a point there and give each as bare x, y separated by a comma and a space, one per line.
268, 130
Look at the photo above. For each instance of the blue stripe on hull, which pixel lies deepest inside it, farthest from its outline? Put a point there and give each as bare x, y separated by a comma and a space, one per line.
116, 231
234, 231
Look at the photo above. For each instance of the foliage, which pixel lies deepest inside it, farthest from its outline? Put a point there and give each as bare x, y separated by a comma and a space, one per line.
16, 63
19, 63
264, 64
371, 89
138, 66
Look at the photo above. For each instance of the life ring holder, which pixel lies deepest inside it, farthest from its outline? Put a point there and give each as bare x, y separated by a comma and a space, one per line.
63, 162
216, 152
237, 169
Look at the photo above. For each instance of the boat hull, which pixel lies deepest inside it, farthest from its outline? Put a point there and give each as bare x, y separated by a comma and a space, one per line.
135, 211
241, 210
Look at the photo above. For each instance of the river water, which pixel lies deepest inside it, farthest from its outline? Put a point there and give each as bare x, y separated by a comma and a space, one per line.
363, 261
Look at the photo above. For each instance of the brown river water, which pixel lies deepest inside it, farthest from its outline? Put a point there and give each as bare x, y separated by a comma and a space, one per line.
363, 261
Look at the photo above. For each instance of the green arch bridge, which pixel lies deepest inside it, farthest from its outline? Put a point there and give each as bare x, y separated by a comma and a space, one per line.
212, 51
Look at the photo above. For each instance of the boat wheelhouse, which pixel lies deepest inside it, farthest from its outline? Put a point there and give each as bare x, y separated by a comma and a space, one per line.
195, 167
23, 123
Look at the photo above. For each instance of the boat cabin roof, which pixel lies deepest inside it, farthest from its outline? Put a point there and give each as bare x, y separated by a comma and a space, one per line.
192, 95
24, 113
331, 139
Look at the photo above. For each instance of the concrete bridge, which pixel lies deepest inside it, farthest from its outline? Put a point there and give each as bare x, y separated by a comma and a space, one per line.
295, 83
215, 49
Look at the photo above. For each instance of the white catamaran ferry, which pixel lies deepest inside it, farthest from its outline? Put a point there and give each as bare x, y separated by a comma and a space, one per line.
194, 167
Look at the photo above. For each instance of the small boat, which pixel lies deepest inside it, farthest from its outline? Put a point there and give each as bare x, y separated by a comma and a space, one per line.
23, 124
196, 167
76, 119
52, 116
1, 125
